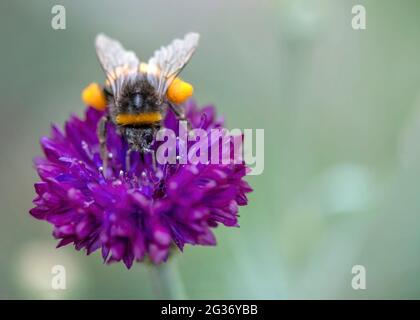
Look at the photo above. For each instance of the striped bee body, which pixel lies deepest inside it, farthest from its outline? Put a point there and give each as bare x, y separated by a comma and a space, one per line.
138, 94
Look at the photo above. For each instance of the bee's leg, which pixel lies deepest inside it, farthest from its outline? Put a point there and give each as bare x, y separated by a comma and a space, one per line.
128, 159
153, 159
180, 115
153, 154
101, 132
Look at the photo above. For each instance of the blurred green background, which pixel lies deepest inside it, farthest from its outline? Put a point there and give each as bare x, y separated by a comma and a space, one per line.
341, 113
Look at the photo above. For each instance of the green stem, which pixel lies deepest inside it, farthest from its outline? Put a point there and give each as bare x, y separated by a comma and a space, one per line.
168, 281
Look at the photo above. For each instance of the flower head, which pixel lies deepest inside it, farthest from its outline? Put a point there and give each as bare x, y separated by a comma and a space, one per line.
138, 212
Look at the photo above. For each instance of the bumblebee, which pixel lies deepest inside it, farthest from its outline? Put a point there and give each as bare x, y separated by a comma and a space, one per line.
136, 95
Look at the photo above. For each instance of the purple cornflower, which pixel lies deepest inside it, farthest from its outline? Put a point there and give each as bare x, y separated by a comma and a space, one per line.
138, 213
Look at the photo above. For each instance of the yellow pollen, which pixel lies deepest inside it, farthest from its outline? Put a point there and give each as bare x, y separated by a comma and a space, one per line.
142, 118
179, 91
94, 96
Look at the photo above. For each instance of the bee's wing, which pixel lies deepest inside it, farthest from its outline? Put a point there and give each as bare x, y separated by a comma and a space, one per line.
168, 62
119, 64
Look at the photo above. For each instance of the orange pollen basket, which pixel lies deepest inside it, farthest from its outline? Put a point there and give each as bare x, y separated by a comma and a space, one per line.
142, 118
